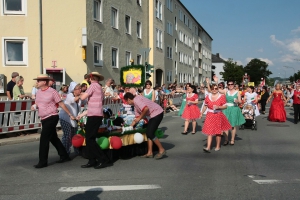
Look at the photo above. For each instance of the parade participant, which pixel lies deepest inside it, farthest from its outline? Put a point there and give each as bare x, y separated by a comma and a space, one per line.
86, 80
183, 103
34, 90
148, 91
263, 100
18, 91
277, 112
46, 100
251, 98
10, 85
191, 111
144, 107
295, 95
94, 94
69, 127
63, 92
51, 82
233, 112
83, 87
216, 122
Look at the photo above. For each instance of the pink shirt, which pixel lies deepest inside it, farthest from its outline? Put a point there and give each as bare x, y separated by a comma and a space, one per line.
95, 100
140, 102
47, 101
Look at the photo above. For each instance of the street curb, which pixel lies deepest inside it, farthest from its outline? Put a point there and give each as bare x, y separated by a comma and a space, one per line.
24, 139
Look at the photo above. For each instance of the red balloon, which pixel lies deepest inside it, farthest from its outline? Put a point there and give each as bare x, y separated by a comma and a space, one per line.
115, 142
77, 140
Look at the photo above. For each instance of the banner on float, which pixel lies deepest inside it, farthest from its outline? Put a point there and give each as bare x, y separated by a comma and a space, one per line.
251, 84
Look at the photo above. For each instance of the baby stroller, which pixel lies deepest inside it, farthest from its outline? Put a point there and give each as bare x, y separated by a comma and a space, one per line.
249, 115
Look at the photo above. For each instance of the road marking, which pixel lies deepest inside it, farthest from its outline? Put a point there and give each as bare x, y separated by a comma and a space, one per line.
108, 188
268, 181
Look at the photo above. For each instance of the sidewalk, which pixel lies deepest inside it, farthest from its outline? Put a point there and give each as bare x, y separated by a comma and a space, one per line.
23, 139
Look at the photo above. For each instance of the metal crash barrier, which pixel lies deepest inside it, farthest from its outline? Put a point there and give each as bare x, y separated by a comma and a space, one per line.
17, 115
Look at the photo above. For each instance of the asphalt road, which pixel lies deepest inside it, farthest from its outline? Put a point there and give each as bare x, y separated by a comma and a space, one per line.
263, 164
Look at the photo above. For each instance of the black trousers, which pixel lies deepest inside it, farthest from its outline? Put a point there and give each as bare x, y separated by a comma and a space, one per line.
49, 134
94, 152
263, 105
153, 125
296, 112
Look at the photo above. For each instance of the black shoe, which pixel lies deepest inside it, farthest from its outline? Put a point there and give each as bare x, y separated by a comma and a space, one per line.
206, 150
225, 143
40, 165
62, 160
184, 133
88, 165
100, 165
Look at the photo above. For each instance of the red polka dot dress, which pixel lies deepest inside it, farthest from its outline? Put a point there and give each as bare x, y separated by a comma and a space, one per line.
191, 112
215, 122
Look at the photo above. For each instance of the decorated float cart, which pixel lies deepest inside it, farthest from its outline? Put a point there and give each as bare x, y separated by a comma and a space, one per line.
115, 136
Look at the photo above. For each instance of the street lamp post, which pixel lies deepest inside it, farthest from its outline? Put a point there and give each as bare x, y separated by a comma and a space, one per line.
294, 71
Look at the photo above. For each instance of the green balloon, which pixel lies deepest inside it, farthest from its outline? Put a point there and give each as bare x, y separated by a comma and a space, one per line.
103, 142
159, 133
81, 132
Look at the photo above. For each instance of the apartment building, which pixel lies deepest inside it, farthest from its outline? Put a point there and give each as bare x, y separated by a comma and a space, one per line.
103, 36
181, 47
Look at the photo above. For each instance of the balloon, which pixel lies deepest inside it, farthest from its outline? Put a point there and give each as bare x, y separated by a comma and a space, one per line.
115, 142
77, 140
103, 142
159, 133
81, 132
138, 138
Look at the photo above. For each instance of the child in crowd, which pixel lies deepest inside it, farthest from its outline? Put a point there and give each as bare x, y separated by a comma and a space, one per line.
248, 111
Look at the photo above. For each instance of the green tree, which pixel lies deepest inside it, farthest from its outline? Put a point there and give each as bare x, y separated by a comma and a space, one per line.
232, 71
257, 69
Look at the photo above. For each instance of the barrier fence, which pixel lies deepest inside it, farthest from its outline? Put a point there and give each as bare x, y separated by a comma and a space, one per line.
16, 115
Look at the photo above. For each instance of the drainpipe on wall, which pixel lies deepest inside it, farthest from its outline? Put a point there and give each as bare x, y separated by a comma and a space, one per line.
41, 35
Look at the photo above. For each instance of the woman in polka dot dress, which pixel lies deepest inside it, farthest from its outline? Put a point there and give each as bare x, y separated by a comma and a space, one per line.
191, 111
216, 122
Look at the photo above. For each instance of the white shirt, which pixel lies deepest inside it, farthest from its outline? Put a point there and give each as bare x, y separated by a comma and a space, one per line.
250, 97
73, 107
108, 89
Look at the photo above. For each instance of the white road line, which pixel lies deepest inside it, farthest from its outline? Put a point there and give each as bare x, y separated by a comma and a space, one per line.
261, 182
108, 188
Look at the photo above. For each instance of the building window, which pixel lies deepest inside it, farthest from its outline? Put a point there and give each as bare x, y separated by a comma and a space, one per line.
14, 7
169, 52
15, 51
158, 9
139, 2
127, 57
139, 29
114, 18
97, 10
158, 38
139, 59
175, 46
175, 23
176, 68
114, 57
170, 5
180, 15
169, 76
169, 28
98, 54
128, 24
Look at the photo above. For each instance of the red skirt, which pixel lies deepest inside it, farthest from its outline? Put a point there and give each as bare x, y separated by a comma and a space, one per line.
215, 124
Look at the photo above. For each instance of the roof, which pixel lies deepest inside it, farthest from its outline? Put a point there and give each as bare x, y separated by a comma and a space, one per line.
216, 59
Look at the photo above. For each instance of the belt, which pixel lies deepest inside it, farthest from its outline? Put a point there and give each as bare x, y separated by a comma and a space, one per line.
230, 104
213, 111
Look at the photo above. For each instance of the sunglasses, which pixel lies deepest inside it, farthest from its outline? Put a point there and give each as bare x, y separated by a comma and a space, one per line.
215, 88
229, 84
220, 87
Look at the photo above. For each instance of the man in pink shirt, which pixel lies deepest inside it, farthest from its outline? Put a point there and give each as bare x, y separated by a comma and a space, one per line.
94, 93
144, 107
46, 102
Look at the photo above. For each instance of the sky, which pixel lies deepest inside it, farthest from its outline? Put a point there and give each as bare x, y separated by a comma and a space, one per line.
247, 29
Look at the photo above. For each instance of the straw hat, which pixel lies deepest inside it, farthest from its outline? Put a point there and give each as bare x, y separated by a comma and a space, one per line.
101, 78
42, 77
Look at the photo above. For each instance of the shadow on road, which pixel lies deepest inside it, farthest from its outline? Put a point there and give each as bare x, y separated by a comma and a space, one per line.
89, 194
